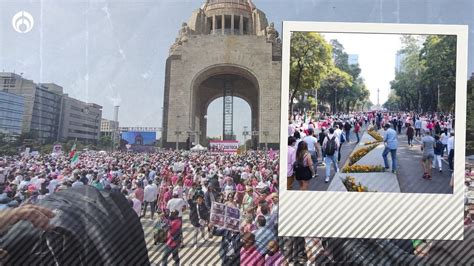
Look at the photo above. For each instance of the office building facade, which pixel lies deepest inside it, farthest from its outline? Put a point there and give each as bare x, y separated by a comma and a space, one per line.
11, 113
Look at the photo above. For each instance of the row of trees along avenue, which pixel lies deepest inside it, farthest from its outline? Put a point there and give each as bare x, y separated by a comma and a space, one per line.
426, 79
321, 68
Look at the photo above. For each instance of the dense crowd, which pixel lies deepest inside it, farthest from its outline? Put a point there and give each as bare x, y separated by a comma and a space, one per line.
167, 183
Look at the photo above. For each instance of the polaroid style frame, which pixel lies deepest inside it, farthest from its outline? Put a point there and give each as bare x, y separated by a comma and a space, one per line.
378, 214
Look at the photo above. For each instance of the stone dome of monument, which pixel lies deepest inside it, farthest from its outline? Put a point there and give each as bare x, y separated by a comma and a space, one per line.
242, 5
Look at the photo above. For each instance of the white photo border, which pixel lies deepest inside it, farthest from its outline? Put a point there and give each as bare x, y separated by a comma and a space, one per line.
375, 215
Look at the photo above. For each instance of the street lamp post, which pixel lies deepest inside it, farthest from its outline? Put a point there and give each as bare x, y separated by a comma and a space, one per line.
245, 133
177, 138
265, 133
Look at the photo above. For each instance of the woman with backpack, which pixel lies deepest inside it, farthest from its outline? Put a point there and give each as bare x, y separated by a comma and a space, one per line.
303, 167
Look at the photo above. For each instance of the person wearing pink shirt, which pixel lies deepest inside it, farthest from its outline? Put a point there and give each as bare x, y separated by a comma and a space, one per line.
274, 257
249, 254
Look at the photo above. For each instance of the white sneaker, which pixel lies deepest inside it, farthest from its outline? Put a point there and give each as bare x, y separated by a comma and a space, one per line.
327, 180
337, 170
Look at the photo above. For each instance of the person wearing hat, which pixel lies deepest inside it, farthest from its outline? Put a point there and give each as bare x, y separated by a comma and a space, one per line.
391, 144
198, 215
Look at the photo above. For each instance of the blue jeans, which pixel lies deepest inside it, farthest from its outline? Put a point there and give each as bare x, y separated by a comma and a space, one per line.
167, 252
314, 158
393, 154
328, 160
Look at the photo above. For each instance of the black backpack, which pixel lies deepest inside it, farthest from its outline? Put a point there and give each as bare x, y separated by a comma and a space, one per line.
330, 146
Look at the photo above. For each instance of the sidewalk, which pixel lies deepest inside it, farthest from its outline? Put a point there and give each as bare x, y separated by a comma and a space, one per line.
410, 171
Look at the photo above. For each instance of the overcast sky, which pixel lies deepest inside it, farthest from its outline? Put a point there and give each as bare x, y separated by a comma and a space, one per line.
101, 50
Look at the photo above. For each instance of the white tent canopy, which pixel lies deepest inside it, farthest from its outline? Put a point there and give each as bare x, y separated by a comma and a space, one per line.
198, 147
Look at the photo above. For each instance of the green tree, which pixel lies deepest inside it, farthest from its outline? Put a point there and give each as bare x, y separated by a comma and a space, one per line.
333, 87
310, 61
105, 142
438, 56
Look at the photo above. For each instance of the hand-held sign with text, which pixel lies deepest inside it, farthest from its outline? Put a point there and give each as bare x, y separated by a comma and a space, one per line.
224, 216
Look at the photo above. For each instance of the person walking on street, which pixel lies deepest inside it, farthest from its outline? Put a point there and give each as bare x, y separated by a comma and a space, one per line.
347, 129
321, 137
357, 130
150, 195
444, 139
303, 168
173, 239
198, 215
451, 151
410, 134
391, 144
291, 160
438, 152
340, 135
427, 146
417, 127
330, 146
313, 148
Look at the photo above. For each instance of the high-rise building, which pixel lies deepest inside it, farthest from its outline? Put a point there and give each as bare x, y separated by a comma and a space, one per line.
51, 115
399, 61
80, 121
353, 59
11, 113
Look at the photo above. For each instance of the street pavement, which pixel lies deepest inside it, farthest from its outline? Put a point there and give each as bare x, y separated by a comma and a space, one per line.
410, 170
207, 252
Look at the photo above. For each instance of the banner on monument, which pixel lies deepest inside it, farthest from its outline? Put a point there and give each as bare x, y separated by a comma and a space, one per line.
228, 146
224, 216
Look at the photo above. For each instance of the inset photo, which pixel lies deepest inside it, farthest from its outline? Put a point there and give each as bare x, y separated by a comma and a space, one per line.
371, 113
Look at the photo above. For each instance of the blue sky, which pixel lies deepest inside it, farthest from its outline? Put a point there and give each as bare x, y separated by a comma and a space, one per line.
101, 50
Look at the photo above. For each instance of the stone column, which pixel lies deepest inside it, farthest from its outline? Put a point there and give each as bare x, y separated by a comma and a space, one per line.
241, 25
223, 24
232, 24
213, 24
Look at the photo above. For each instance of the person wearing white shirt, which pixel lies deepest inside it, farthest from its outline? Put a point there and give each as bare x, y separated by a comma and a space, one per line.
150, 194
176, 204
313, 147
444, 139
291, 161
338, 133
451, 151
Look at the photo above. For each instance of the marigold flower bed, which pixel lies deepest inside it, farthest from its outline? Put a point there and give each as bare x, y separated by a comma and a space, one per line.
360, 153
351, 186
363, 169
374, 134
372, 142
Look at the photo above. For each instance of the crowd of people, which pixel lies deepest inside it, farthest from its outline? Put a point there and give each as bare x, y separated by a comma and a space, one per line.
164, 186
321, 138
167, 185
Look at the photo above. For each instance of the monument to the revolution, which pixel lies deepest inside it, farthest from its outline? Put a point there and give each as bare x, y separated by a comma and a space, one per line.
226, 49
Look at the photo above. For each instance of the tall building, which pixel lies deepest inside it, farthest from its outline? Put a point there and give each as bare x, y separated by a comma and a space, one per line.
353, 59
42, 105
108, 127
399, 61
80, 121
51, 115
11, 113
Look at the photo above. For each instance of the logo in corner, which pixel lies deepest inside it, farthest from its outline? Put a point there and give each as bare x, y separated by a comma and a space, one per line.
23, 22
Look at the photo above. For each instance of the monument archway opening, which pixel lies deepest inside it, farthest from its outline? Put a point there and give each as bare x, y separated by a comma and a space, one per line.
242, 120
229, 83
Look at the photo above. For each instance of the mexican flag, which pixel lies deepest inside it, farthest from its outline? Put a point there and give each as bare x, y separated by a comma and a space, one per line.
74, 156
73, 151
